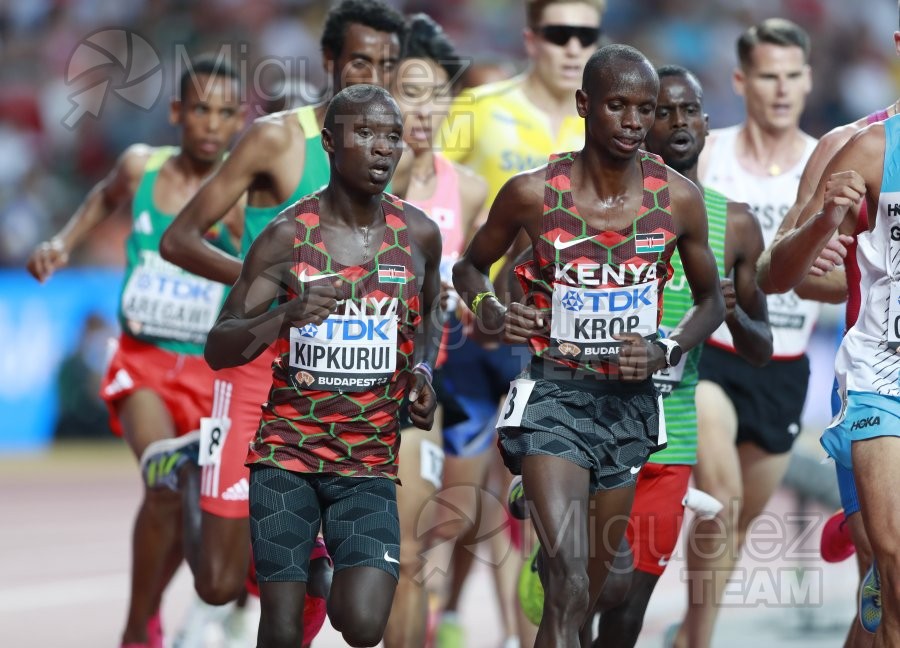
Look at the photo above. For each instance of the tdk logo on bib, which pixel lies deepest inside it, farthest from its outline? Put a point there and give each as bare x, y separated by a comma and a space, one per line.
349, 352
586, 321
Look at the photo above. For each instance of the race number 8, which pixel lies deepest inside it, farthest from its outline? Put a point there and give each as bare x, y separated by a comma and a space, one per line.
514, 405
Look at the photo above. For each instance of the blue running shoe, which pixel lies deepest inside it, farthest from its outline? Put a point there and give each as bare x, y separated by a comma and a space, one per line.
162, 460
870, 600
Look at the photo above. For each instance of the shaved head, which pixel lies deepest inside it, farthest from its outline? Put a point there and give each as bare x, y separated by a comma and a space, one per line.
357, 100
614, 64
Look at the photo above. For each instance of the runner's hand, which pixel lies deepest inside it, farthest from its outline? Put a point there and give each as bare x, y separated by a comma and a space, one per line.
315, 304
521, 323
843, 191
422, 402
831, 256
47, 258
729, 295
638, 358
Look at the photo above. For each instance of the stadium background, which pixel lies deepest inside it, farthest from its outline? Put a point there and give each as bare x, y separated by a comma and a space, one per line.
52, 337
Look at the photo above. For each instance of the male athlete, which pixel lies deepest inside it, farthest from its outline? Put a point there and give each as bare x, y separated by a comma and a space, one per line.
678, 136
839, 280
757, 408
355, 273
499, 130
582, 421
158, 385
278, 160
863, 437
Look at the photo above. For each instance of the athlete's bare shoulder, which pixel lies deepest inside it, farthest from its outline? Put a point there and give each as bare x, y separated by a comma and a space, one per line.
276, 133
134, 159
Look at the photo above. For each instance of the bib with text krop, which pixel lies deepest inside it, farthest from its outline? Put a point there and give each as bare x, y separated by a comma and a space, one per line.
345, 353
162, 300
584, 321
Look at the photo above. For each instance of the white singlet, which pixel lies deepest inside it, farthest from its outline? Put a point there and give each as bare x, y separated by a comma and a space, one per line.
792, 319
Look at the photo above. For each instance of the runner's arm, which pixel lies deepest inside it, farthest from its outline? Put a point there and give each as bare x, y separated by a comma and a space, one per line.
519, 197
183, 243
247, 325
115, 191
699, 266
793, 254
827, 289
748, 321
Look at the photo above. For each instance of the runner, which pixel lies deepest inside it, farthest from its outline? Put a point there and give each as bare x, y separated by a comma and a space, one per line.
499, 130
758, 162
678, 136
837, 282
278, 160
158, 386
452, 196
585, 420
862, 437
355, 272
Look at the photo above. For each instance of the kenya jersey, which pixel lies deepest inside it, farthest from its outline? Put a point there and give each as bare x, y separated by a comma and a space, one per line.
599, 284
337, 387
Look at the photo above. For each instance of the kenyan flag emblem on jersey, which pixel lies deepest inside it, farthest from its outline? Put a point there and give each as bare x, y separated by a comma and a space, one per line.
653, 242
391, 273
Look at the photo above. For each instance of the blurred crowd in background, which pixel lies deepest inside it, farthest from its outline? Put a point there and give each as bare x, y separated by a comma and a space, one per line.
46, 168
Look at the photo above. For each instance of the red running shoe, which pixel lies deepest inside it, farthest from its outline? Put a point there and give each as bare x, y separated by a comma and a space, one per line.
836, 544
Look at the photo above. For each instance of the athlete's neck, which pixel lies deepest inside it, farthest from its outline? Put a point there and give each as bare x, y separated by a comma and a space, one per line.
192, 168
769, 152
555, 106
423, 165
341, 204
607, 177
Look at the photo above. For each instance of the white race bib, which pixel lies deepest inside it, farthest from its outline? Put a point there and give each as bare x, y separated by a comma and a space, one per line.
584, 320
514, 406
893, 326
162, 300
213, 432
345, 353
431, 462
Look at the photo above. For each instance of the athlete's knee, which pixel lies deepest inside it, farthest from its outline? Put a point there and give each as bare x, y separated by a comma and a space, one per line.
217, 584
567, 585
365, 629
280, 635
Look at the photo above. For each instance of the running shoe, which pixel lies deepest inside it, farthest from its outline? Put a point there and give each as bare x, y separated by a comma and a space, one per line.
163, 459
515, 499
870, 600
155, 631
703, 504
531, 590
450, 633
836, 543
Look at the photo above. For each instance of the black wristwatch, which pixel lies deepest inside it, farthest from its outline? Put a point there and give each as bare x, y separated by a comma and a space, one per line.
671, 350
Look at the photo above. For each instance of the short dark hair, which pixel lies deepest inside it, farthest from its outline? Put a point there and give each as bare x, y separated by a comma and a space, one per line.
608, 55
664, 71
352, 99
371, 13
424, 38
775, 31
206, 65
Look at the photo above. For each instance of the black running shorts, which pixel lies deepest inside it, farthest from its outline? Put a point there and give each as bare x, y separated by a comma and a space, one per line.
609, 427
358, 517
768, 400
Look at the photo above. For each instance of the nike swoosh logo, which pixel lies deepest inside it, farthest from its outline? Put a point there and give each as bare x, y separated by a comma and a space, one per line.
562, 245
303, 277
387, 558
635, 470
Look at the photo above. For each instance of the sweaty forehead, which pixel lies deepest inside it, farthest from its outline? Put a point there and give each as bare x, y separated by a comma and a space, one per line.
362, 39
677, 89
376, 111
626, 79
